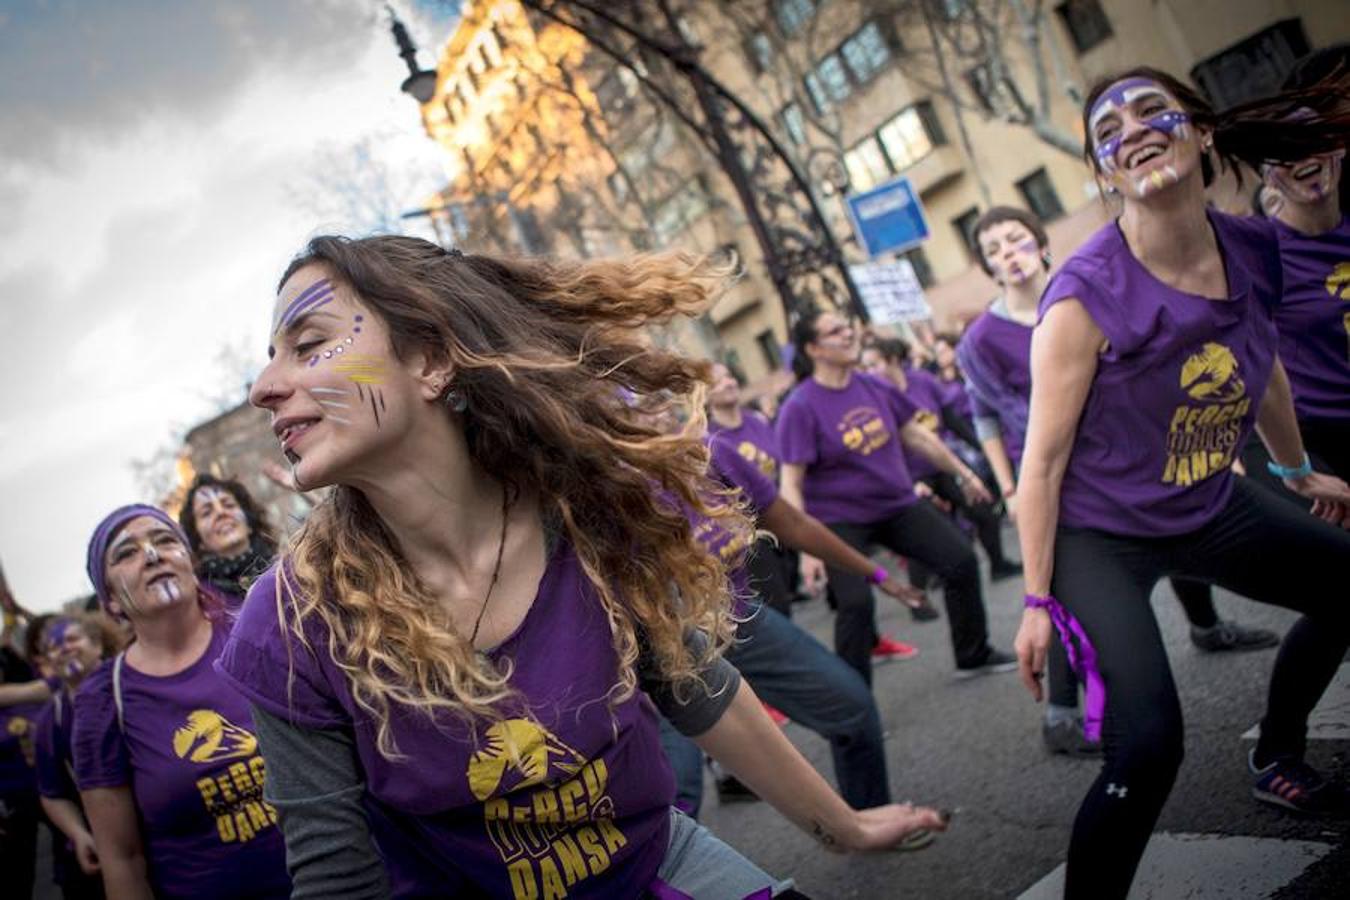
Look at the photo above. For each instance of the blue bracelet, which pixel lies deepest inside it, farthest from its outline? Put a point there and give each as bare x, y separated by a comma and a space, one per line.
1302, 470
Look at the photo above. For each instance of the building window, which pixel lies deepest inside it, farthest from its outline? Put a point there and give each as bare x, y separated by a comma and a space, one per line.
828, 83
905, 139
759, 49
867, 51
1254, 67
922, 270
450, 110
792, 15
965, 225
732, 360
1040, 196
1086, 22
794, 123
768, 346
866, 165
931, 124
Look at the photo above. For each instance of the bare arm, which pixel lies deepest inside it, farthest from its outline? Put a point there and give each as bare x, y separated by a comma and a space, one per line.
748, 744
997, 454
112, 820
1277, 425
25, 692
792, 477
930, 445
66, 816
1064, 354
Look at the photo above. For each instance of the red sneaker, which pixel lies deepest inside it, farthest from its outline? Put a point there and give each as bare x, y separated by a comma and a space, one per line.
888, 648
778, 717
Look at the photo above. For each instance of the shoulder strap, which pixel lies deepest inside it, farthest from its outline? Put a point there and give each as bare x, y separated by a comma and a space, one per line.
117, 690
57, 709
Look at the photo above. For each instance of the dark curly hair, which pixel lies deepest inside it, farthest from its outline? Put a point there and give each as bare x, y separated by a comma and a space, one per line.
259, 528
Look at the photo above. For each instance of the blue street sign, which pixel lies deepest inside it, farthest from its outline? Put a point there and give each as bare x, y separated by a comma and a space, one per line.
888, 218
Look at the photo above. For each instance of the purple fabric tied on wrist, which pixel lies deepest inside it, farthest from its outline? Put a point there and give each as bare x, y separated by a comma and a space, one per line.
1082, 659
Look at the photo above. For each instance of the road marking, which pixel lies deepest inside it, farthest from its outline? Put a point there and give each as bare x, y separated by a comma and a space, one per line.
1203, 866
1330, 719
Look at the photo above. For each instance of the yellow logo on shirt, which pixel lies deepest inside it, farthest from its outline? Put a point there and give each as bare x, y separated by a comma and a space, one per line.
927, 419
557, 827
766, 463
22, 728
863, 430
1202, 439
1338, 281
207, 736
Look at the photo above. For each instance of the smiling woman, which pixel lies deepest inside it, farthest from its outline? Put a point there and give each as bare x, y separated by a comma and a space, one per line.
229, 534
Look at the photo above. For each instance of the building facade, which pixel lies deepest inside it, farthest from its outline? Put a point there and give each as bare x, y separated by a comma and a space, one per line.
553, 147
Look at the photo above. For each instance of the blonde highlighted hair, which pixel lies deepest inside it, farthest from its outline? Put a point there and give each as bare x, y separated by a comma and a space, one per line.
565, 394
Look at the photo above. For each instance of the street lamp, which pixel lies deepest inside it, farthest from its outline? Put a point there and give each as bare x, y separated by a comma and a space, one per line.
420, 83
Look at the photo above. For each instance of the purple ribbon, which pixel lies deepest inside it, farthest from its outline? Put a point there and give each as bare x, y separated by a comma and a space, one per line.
1082, 659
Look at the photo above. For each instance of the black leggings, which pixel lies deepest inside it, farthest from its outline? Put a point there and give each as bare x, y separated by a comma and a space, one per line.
1105, 580
922, 534
984, 516
772, 570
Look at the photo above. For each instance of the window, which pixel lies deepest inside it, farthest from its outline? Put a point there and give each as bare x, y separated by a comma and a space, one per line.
828, 82
492, 48
964, 225
768, 346
867, 166
905, 139
867, 51
922, 270
1254, 67
732, 360
793, 14
759, 49
1040, 195
1086, 22
793, 123
450, 110
931, 124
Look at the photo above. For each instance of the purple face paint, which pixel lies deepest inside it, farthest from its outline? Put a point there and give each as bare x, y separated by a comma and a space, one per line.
311, 298
1172, 122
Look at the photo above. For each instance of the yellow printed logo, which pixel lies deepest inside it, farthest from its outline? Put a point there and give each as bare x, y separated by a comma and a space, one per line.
766, 463
556, 827
207, 736
1338, 281
22, 728
927, 419
1211, 375
1202, 440
863, 431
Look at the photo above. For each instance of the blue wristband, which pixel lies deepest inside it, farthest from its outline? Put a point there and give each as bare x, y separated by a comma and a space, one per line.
1302, 470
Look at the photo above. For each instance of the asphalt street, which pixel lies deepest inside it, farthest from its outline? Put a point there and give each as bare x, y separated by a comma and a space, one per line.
975, 746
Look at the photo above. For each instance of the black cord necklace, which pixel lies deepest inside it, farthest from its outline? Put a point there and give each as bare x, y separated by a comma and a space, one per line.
496, 569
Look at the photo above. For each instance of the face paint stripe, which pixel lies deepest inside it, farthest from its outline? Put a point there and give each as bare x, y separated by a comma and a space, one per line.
309, 305
323, 284
382, 400
334, 404
324, 390
374, 409
340, 419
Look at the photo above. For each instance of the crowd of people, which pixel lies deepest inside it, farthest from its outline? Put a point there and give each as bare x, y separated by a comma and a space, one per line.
552, 554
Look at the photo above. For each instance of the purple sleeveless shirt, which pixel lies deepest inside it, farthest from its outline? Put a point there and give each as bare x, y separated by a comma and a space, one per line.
1314, 320
561, 798
1177, 389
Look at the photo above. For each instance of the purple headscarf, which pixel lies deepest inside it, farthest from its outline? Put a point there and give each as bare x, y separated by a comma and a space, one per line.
107, 530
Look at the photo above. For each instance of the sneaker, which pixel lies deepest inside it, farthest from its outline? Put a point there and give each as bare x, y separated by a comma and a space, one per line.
925, 612
1004, 569
1066, 737
778, 717
1297, 786
888, 649
1230, 636
996, 661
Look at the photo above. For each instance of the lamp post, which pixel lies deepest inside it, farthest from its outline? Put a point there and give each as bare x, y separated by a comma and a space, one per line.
420, 83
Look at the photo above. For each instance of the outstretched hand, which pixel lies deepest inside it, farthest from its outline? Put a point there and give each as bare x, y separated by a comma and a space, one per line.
905, 593
1329, 494
883, 827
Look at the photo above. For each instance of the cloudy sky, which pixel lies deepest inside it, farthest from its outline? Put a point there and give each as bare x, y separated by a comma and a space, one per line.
159, 164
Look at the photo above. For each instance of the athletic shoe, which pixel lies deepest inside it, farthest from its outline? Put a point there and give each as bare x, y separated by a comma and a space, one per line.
1297, 786
1066, 737
997, 661
1230, 636
778, 717
1004, 569
888, 649
925, 612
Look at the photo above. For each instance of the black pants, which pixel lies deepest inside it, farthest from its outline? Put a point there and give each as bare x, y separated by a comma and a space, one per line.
922, 534
771, 569
984, 516
1258, 546
19, 816
1327, 442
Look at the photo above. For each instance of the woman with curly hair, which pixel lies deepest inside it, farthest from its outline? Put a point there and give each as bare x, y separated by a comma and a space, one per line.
448, 665
229, 535
1154, 358
165, 757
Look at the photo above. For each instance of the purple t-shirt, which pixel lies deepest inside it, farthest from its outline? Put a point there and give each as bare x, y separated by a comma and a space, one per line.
186, 749
995, 355
55, 764
849, 441
1177, 389
18, 733
563, 797
734, 470
954, 396
929, 397
753, 438
1314, 320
